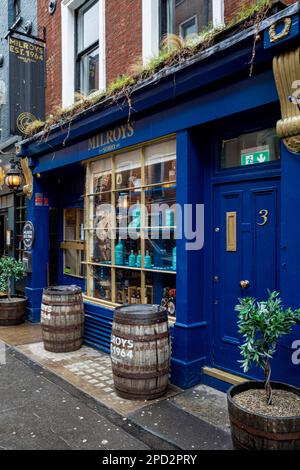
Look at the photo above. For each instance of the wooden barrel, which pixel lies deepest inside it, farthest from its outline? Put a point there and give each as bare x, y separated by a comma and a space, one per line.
252, 431
140, 351
62, 318
12, 312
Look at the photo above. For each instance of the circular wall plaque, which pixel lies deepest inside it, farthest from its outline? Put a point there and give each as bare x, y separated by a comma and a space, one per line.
28, 235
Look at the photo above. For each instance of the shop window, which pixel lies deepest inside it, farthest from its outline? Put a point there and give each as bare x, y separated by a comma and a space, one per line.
253, 148
184, 17
130, 227
73, 244
87, 41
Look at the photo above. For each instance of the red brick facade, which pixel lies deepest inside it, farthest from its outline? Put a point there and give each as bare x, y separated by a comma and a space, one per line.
123, 36
53, 53
232, 7
123, 25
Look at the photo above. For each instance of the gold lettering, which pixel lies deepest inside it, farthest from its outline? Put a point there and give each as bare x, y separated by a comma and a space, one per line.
117, 134
130, 130
110, 137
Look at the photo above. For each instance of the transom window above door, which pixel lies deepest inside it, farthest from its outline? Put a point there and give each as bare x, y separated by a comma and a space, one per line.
184, 17
253, 148
87, 47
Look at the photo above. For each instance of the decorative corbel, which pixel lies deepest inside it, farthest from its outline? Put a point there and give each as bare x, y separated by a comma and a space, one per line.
286, 68
28, 187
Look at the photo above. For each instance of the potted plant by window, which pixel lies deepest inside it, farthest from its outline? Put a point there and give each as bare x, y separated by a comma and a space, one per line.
264, 415
12, 307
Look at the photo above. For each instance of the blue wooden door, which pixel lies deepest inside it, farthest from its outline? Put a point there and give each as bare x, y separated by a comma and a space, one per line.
246, 222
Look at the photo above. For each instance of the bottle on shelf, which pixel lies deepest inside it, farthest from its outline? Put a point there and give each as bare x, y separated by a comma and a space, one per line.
148, 261
133, 298
170, 218
139, 260
132, 259
119, 254
174, 258
138, 297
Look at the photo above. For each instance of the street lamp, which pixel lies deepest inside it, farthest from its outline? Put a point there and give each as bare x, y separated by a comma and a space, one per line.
13, 177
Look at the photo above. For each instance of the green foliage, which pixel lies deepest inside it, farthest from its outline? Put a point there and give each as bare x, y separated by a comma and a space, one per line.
262, 324
120, 84
10, 269
250, 10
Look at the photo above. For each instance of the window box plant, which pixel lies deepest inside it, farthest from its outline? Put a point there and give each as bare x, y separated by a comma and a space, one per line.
264, 415
12, 307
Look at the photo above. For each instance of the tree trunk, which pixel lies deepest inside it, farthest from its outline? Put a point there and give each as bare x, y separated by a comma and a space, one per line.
8, 288
268, 387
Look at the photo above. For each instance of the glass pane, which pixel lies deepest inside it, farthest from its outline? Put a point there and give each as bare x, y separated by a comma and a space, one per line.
88, 26
128, 170
161, 253
70, 262
160, 289
161, 206
100, 282
160, 163
101, 171
80, 222
128, 286
70, 224
89, 74
128, 212
128, 253
100, 246
184, 17
250, 149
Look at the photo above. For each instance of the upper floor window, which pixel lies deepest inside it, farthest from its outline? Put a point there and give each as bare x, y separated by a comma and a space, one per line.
184, 17
87, 50
16, 9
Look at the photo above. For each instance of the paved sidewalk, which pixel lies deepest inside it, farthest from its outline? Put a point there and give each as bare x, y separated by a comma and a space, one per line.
191, 420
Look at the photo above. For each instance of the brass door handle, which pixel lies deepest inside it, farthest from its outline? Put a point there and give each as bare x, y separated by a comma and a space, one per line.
245, 284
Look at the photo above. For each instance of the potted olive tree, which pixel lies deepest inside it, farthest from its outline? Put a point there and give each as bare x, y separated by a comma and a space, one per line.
12, 307
264, 415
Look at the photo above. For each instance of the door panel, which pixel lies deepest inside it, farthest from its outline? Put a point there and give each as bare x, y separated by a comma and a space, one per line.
253, 259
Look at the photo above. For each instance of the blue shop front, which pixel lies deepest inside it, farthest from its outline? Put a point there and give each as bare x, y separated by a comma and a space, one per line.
218, 147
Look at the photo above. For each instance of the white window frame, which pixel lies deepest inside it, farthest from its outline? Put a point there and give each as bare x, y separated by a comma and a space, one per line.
150, 13
182, 25
68, 27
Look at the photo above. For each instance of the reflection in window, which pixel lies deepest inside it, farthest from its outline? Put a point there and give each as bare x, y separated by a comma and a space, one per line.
87, 41
184, 17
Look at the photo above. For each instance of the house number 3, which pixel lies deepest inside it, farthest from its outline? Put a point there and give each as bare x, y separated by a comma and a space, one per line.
264, 213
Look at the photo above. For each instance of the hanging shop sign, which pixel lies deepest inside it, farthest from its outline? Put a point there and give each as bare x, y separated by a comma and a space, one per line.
28, 235
27, 84
255, 155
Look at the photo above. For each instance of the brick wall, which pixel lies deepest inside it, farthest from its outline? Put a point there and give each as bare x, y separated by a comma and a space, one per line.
53, 53
123, 40
123, 36
232, 7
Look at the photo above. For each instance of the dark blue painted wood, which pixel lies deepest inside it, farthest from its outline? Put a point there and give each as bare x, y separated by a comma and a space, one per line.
255, 259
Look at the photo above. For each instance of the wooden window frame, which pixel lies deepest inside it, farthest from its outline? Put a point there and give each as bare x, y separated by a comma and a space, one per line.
88, 194
77, 244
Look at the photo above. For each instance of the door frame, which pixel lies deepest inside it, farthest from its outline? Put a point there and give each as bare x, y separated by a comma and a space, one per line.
214, 176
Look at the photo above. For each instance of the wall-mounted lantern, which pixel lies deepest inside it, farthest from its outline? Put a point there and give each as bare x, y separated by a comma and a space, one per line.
13, 179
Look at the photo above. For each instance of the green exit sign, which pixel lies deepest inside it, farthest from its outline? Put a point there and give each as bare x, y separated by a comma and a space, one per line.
255, 156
